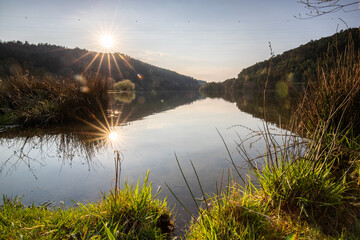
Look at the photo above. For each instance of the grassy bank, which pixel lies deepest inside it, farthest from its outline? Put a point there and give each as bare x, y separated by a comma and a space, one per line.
306, 187
132, 213
29, 100
298, 195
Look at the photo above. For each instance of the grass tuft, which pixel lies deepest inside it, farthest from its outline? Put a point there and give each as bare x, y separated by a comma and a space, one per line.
134, 214
239, 215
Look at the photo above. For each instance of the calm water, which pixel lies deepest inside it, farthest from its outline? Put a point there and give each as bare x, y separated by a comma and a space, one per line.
76, 164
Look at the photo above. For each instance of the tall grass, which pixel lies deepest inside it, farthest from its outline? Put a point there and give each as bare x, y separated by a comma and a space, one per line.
303, 184
30, 100
329, 113
332, 100
133, 214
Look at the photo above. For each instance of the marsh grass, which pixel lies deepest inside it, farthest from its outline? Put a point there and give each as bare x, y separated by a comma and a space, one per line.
134, 214
30, 100
329, 113
306, 183
292, 193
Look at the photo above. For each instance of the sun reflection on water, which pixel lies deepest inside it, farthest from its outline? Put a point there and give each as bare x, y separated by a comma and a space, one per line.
113, 136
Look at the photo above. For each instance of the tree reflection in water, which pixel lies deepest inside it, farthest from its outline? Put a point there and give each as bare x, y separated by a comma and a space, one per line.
32, 147
85, 141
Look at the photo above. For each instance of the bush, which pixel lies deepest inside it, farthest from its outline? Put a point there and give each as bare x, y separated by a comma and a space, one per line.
124, 85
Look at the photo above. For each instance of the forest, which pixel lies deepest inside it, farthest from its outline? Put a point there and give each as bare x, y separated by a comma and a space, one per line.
17, 58
291, 70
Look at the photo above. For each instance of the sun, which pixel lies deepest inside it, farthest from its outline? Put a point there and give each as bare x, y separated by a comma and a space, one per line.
107, 41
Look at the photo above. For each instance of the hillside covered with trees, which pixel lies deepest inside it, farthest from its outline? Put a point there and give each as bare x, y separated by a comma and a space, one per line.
18, 57
291, 70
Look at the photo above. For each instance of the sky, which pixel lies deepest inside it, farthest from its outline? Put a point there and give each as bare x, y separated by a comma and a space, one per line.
211, 40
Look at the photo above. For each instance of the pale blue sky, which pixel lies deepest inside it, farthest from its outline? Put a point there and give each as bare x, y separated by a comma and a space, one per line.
210, 40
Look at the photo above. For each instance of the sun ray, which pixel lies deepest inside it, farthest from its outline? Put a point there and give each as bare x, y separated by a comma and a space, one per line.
101, 139
101, 60
104, 115
106, 129
127, 63
120, 113
92, 61
91, 125
78, 59
93, 133
127, 117
109, 64
117, 65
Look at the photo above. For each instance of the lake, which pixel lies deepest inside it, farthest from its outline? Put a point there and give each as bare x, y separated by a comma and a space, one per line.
76, 162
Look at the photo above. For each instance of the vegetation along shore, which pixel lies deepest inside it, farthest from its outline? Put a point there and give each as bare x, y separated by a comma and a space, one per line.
305, 186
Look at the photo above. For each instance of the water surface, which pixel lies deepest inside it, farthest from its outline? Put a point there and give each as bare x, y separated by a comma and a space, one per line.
77, 163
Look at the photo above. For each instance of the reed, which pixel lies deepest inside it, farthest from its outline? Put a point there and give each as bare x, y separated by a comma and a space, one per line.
30, 100
329, 113
302, 186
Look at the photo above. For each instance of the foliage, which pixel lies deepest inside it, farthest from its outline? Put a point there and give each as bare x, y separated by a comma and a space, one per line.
124, 85
212, 89
125, 97
18, 57
294, 68
32, 100
305, 187
134, 214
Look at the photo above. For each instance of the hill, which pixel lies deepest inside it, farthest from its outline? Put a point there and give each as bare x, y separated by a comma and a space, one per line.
292, 69
18, 57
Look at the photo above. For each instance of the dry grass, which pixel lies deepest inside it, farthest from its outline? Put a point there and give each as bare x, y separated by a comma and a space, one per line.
333, 100
41, 100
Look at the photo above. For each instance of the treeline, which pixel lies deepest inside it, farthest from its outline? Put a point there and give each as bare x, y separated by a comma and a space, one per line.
291, 70
18, 57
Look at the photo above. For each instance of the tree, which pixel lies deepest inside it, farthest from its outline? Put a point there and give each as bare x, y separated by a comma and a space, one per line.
322, 7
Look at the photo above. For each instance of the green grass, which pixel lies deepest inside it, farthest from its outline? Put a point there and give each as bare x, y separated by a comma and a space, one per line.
306, 188
132, 213
301, 187
232, 215
297, 199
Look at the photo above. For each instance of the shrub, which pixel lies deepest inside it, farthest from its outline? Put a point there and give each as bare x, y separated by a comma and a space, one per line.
124, 85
